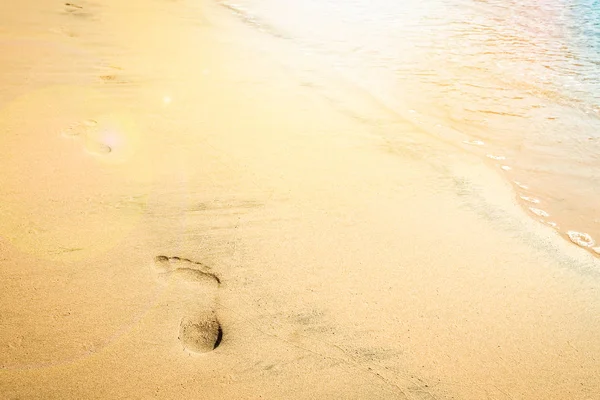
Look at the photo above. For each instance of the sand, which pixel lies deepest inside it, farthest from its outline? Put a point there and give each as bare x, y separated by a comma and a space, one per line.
193, 209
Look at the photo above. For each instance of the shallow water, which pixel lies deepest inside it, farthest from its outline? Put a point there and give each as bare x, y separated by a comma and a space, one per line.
517, 82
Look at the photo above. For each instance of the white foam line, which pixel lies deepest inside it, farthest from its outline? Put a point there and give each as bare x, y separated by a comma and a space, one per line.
530, 199
580, 238
539, 212
474, 142
522, 186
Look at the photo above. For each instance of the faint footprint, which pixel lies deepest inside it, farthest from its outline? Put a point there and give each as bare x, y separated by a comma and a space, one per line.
79, 128
201, 332
89, 133
77, 10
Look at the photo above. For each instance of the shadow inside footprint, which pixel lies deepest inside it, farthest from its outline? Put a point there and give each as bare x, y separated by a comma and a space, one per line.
200, 335
94, 147
185, 269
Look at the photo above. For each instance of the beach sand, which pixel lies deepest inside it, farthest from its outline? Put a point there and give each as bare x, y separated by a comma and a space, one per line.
193, 209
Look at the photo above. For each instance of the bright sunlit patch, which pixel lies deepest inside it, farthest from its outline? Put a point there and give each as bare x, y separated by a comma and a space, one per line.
114, 138
167, 100
68, 155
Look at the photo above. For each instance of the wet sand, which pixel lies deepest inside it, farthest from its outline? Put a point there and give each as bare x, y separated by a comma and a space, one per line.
187, 213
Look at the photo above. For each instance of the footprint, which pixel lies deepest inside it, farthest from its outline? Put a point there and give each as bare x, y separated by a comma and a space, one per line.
200, 335
200, 332
108, 78
114, 79
76, 10
73, 6
90, 134
79, 128
95, 147
191, 271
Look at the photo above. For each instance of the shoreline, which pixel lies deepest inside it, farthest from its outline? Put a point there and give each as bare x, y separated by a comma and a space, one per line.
550, 184
355, 256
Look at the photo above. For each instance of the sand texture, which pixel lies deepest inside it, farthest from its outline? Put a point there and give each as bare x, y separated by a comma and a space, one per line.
191, 209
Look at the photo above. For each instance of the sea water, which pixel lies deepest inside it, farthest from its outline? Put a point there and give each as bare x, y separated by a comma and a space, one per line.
517, 82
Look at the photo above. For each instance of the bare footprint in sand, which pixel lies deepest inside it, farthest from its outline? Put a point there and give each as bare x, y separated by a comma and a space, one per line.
200, 332
88, 133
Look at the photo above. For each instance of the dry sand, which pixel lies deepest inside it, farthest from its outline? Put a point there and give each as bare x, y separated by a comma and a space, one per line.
173, 179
